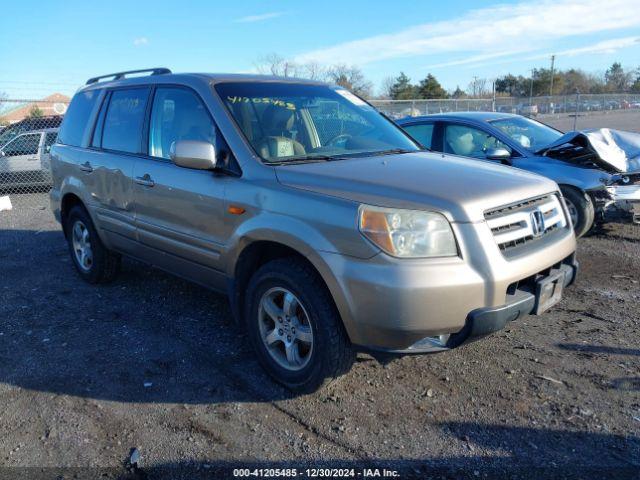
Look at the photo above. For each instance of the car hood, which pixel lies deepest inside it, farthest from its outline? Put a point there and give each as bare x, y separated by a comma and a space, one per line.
615, 151
460, 188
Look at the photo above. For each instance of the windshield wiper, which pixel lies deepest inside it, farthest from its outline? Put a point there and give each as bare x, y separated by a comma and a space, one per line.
305, 159
392, 151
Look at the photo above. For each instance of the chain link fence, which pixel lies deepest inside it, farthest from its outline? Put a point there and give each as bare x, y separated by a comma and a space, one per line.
28, 129
532, 106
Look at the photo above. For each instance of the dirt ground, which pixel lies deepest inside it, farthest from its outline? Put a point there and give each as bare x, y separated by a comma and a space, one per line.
617, 119
153, 362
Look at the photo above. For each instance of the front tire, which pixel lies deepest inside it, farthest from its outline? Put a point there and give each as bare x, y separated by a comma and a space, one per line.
93, 261
294, 326
581, 209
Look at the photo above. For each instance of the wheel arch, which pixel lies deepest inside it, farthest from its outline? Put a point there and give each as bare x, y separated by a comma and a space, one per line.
67, 203
257, 252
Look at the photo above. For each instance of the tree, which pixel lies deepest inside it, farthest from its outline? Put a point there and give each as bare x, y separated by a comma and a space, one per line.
617, 80
513, 86
312, 70
386, 89
635, 86
575, 80
542, 81
274, 64
402, 89
35, 112
430, 88
350, 78
479, 87
458, 93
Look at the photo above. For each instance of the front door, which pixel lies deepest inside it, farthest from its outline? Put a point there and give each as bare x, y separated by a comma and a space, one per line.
179, 211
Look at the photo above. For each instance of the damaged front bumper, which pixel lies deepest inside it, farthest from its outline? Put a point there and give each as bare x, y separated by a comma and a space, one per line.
617, 201
626, 198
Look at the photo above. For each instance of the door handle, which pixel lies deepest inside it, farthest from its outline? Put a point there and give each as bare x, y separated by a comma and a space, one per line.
145, 180
86, 167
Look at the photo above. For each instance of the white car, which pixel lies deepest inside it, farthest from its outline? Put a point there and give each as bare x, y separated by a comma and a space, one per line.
25, 160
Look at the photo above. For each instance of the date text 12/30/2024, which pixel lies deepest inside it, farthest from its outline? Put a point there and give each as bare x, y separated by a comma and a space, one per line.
315, 473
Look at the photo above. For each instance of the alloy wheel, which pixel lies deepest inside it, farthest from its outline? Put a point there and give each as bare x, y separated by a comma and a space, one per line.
81, 241
285, 328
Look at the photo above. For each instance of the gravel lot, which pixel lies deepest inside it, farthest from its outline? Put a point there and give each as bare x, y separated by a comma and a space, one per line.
153, 362
620, 120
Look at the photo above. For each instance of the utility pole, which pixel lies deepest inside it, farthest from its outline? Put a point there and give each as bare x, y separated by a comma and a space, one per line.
531, 88
575, 117
553, 59
475, 83
493, 102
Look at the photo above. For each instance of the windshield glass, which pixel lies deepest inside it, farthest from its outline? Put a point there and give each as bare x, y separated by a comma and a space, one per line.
287, 122
530, 134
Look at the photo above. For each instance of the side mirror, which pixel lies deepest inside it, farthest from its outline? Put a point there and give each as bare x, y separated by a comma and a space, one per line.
499, 154
193, 154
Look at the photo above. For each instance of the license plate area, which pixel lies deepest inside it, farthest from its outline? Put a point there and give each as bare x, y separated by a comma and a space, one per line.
548, 291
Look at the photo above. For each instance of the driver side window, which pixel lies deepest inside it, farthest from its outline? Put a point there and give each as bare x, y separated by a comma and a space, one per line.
470, 141
177, 114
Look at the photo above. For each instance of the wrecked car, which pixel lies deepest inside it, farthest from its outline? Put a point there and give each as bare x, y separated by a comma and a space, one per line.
598, 170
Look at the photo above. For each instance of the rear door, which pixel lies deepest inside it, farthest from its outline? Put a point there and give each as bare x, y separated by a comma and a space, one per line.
108, 166
20, 161
21, 153
180, 211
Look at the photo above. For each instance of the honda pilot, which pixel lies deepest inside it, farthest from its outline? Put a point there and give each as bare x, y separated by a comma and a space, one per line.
329, 228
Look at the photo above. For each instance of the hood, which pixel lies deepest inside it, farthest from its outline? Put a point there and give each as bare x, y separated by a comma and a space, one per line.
460, 188
615, 151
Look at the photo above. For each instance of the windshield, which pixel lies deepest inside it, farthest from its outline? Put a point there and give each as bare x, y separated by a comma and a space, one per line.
530, 134
287, 122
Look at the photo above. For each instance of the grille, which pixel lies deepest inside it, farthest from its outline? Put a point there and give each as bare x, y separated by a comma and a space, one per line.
520, 223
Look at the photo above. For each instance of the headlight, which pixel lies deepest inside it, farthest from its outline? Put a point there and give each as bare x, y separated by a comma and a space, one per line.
408, 233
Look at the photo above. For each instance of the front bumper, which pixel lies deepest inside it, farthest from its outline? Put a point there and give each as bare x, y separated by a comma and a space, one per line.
392, 305
484, 321
625, 202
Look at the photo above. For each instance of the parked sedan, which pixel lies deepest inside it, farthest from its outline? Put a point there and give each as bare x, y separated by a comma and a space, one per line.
25, 160
598, 170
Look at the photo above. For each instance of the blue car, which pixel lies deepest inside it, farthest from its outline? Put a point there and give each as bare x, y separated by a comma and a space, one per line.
598, 171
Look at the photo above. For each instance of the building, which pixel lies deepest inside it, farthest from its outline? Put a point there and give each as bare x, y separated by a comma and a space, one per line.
54, 104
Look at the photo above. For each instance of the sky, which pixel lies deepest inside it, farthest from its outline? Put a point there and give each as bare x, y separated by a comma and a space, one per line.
48, 46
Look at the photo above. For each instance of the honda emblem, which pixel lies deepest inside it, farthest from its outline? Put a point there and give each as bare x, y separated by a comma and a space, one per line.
537, 223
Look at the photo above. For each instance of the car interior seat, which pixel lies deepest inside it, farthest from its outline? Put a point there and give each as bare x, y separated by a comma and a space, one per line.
277, 123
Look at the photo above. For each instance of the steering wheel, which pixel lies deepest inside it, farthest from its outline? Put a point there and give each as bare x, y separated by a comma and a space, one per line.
343, 137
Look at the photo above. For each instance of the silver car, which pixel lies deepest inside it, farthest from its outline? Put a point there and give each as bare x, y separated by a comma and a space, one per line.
24, 160
328, 227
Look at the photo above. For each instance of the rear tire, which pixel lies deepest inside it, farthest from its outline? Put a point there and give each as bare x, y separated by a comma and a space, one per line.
93, 261
289, 307
581, 209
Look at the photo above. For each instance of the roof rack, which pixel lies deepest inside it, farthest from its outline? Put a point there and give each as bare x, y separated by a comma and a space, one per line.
121, 75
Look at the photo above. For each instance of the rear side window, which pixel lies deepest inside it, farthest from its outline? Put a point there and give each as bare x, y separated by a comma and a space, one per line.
422, 133
22, 145
123, 122
77, 117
